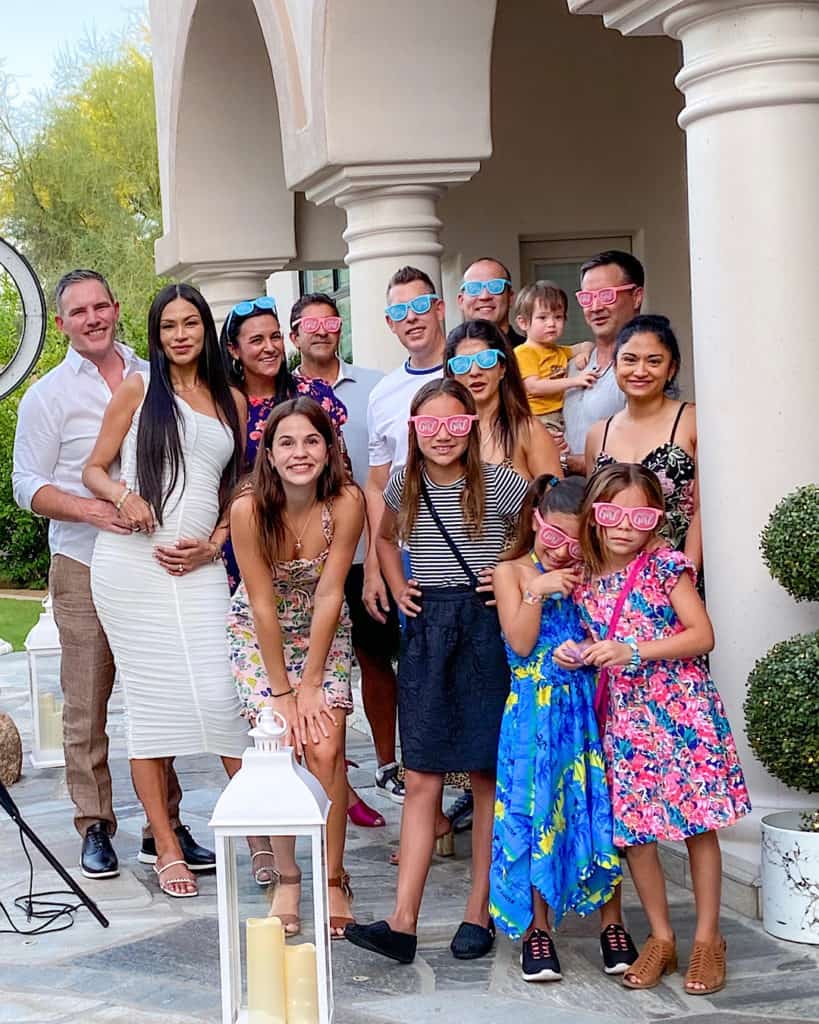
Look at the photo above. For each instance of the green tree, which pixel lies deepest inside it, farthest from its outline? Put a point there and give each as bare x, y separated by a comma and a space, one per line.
79, 186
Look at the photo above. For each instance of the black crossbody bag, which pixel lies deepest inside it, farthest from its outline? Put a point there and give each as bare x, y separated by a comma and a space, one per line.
453, 547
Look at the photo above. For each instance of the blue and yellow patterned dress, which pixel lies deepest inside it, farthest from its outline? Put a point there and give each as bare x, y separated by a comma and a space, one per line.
553, 820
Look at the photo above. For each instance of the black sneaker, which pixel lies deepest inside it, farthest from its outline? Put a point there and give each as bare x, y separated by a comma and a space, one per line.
386, 779
619, 952
197, 858
460, 811
98, 859
538, 958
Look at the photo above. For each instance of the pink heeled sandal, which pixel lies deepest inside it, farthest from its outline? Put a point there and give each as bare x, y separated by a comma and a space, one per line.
364, 816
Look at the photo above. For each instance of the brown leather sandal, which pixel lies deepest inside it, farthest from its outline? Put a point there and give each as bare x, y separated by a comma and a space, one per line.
706, 967
657, 957
338, 923
291, 922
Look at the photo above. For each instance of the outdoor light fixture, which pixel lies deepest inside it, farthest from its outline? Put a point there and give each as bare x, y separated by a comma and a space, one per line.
43, 648
272, 795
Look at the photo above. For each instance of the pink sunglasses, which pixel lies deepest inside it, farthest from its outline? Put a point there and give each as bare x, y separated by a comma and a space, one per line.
457, 426
311, 324
606, 513
551, 537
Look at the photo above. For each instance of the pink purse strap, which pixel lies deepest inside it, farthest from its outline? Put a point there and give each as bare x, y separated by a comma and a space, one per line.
602, 691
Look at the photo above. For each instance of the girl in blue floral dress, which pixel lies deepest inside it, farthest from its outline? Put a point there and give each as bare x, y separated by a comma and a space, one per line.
670, 756
552, 843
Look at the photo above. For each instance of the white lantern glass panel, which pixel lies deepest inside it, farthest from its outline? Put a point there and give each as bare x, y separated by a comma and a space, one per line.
43, 649
273, 795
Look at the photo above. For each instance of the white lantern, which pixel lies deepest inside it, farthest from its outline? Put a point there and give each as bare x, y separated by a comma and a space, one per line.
43, 648
272, 795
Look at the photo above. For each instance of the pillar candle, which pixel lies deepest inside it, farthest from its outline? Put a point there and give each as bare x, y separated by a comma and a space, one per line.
265, 971
45, 710
301, 981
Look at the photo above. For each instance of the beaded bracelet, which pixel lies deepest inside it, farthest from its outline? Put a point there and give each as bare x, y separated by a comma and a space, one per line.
636, 660
118, 505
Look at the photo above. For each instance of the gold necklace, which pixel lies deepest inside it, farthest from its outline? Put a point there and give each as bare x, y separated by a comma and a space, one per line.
301, 533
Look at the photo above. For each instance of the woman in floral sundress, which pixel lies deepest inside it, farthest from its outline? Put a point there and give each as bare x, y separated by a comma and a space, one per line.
654, 430
295, 530
671, 759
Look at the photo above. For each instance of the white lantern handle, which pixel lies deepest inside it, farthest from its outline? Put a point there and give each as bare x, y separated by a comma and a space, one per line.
270, 727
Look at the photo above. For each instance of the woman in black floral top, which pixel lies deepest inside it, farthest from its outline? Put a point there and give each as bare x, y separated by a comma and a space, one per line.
254, 345
654, 429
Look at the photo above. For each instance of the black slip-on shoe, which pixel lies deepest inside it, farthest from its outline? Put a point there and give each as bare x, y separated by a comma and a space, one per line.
538, 958
98, 859
197, 858
619, 952
472, 941
378, 937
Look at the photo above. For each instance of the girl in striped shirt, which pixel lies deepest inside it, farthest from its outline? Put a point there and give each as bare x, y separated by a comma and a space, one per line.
452, 513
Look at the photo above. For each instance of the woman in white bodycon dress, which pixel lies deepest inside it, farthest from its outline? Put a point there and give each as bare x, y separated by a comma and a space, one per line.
161, 591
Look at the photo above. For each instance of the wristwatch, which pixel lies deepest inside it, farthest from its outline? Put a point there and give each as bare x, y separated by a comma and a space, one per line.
564, 461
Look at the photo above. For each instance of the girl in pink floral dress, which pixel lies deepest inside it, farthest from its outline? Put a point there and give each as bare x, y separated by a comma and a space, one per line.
671, 758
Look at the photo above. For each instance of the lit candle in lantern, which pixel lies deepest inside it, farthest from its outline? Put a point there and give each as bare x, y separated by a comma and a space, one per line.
301, 983
265, 971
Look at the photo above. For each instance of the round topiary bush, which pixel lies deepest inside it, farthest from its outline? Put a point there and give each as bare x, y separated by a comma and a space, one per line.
790, 543
782, 711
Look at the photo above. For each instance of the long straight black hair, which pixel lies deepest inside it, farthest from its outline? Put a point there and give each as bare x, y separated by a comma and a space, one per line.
159, 447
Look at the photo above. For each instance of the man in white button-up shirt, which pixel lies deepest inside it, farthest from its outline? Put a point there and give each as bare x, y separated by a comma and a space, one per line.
58, 423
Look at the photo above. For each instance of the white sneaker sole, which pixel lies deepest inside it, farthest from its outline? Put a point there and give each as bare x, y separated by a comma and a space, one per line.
98, 874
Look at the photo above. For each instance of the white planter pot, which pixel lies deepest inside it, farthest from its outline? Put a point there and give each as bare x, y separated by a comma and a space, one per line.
790, 878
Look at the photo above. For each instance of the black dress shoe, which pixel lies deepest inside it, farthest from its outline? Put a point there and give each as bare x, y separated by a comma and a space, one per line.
472, 941
98, 859
197, 857
378, 937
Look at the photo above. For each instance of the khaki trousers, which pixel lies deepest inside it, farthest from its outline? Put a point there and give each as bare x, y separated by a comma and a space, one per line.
87, 678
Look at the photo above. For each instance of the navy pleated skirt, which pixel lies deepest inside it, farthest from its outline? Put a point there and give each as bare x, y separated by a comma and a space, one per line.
453, 681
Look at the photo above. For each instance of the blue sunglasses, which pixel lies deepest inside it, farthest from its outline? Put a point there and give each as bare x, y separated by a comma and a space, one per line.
264, 303
495, 286
486, 359
421, 304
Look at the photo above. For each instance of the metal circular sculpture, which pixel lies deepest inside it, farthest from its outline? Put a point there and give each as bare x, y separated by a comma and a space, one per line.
33, 330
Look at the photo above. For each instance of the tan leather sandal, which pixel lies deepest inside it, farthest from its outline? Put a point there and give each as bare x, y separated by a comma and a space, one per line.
337, 922
707, 968
290, 922
657, 957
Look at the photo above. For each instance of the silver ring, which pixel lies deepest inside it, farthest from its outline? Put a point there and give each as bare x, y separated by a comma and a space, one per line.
179, 568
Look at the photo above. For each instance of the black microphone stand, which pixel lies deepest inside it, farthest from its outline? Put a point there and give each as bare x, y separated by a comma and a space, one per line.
13, 812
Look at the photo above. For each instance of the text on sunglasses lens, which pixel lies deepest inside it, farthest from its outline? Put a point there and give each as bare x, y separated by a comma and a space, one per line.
604, 296
457, 426
486, 359
494, 286
552, 537
606, 513
312, 324
421, 304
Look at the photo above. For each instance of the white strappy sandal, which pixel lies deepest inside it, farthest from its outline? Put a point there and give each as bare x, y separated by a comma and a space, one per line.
175, 881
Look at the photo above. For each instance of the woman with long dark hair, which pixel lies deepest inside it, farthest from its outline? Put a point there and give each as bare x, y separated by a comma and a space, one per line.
479, 357
295, 529
160, 591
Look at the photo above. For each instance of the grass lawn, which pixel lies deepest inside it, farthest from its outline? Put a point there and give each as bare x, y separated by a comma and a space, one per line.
16, 619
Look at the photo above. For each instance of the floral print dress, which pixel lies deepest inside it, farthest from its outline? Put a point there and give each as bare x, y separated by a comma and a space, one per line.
294, 584
553, 820
258, 411
671, 758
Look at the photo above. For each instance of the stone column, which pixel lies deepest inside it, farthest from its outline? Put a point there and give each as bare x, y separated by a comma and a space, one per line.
224, 283
392, 221
751, 82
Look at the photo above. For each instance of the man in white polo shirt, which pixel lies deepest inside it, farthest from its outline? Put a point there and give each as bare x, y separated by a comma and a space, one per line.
57, 426
415, 315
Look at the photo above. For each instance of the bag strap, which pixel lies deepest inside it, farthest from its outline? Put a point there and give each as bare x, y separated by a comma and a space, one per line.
453, 547
601, 692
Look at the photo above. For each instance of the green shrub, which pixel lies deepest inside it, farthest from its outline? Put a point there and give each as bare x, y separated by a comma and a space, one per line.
790, 543
782, 711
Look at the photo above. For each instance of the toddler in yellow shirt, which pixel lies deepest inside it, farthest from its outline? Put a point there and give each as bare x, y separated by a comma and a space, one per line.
540, 312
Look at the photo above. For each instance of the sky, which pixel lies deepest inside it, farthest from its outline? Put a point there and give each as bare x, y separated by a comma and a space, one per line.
32, 32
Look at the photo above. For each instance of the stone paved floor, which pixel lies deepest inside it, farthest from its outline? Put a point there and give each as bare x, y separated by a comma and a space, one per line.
158, 962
